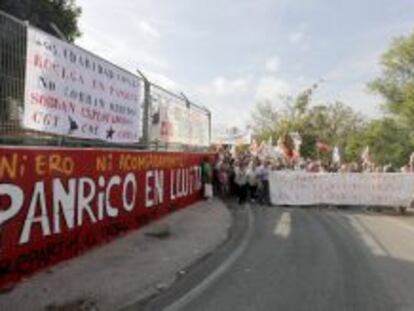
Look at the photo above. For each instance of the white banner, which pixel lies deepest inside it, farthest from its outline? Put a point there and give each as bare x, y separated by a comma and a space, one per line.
175, 122
376, 189
69, 91
239, 138
199, 127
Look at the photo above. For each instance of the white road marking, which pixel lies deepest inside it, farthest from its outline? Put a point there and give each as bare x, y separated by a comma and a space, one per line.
283, 226
397, 221
402, 224
375, 248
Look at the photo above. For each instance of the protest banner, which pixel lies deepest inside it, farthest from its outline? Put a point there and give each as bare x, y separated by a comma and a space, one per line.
175, 121
71, 92
56, 203
368, 189
233, 138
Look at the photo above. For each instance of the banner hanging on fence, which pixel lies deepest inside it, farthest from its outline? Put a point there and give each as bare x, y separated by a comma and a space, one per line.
199, 127
69, 91
173, 121
376, 189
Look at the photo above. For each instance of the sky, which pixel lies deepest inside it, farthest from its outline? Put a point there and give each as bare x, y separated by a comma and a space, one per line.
229, 55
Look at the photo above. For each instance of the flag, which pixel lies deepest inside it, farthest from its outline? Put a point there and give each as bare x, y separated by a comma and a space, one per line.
336, 157
233, 151
261, 151
253, 147
270, 141
284, 149
269, 147
323, 147
297, 142
249, 135
365, 156
277, 151
411, 161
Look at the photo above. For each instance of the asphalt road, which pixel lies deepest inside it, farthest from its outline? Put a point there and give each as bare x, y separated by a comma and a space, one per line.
318, 259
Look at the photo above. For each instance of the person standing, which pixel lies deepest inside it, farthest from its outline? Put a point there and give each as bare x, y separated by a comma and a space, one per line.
216, 177
241, 181
207, 178
262, 173
224, 178
252, 180
411, 162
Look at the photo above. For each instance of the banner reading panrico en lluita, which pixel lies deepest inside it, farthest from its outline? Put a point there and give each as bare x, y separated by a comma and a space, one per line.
56, 203
69, 91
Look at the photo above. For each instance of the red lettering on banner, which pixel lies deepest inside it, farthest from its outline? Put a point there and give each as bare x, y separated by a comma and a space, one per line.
51, 102
56, 68
95, 115
122, 94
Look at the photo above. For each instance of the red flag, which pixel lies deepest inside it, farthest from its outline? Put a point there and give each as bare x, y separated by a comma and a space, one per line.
323, 147
253, 147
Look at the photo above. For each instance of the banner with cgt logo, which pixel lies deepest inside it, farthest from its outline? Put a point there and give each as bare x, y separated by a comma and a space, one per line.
69, 91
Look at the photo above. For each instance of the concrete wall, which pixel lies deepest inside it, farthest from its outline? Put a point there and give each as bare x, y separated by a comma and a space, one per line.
57, 203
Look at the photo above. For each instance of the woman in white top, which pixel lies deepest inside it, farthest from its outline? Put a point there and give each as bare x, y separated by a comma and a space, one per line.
241, 181
252, 180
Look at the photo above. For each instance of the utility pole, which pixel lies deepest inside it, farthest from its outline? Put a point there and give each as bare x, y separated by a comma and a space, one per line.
188, 106
61, 36
146, 110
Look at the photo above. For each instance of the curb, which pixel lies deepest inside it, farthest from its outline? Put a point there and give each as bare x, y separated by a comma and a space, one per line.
219, 271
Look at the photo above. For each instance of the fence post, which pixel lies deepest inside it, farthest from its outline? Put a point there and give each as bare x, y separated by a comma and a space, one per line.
188, 105
146, 110
60, 35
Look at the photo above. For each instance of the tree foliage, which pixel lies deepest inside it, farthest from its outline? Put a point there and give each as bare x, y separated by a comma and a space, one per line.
391, 138
332, 123
389, 142
396, 84
43, 13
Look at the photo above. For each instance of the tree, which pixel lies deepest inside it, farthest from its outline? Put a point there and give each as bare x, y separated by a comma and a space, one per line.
265, 120
43, 13
396, 83
268, 121
391, 139
333, 124
389, 142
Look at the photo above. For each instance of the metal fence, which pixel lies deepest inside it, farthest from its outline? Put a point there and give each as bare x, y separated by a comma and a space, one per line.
13, 41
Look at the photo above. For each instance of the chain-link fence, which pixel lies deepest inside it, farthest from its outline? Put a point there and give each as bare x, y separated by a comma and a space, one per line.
13, 50
12, 71
173, 118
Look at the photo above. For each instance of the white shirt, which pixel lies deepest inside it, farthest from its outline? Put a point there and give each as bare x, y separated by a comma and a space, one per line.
251, 177
241, 176
262, 172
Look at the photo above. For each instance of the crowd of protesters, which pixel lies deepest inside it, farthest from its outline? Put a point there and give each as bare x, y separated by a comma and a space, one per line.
246, 176
243, 176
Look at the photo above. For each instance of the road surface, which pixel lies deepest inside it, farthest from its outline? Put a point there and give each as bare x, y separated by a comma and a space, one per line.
318, 259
